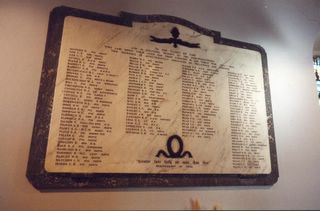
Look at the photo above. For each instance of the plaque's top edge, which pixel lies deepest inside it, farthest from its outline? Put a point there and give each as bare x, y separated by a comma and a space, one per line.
127, 18
168, 18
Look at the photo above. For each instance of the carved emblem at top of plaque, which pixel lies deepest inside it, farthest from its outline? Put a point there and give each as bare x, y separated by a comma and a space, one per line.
174, 40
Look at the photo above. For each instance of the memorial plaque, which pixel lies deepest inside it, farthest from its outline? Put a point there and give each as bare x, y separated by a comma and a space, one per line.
149, 100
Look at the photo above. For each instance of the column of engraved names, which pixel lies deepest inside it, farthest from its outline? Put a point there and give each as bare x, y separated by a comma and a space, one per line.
88, 84
198, 108
244, 134
145, 92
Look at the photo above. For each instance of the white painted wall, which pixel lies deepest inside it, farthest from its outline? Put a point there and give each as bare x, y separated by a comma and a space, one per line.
286, 29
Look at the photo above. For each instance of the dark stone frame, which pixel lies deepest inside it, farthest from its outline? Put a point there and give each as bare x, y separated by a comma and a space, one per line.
46, 181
